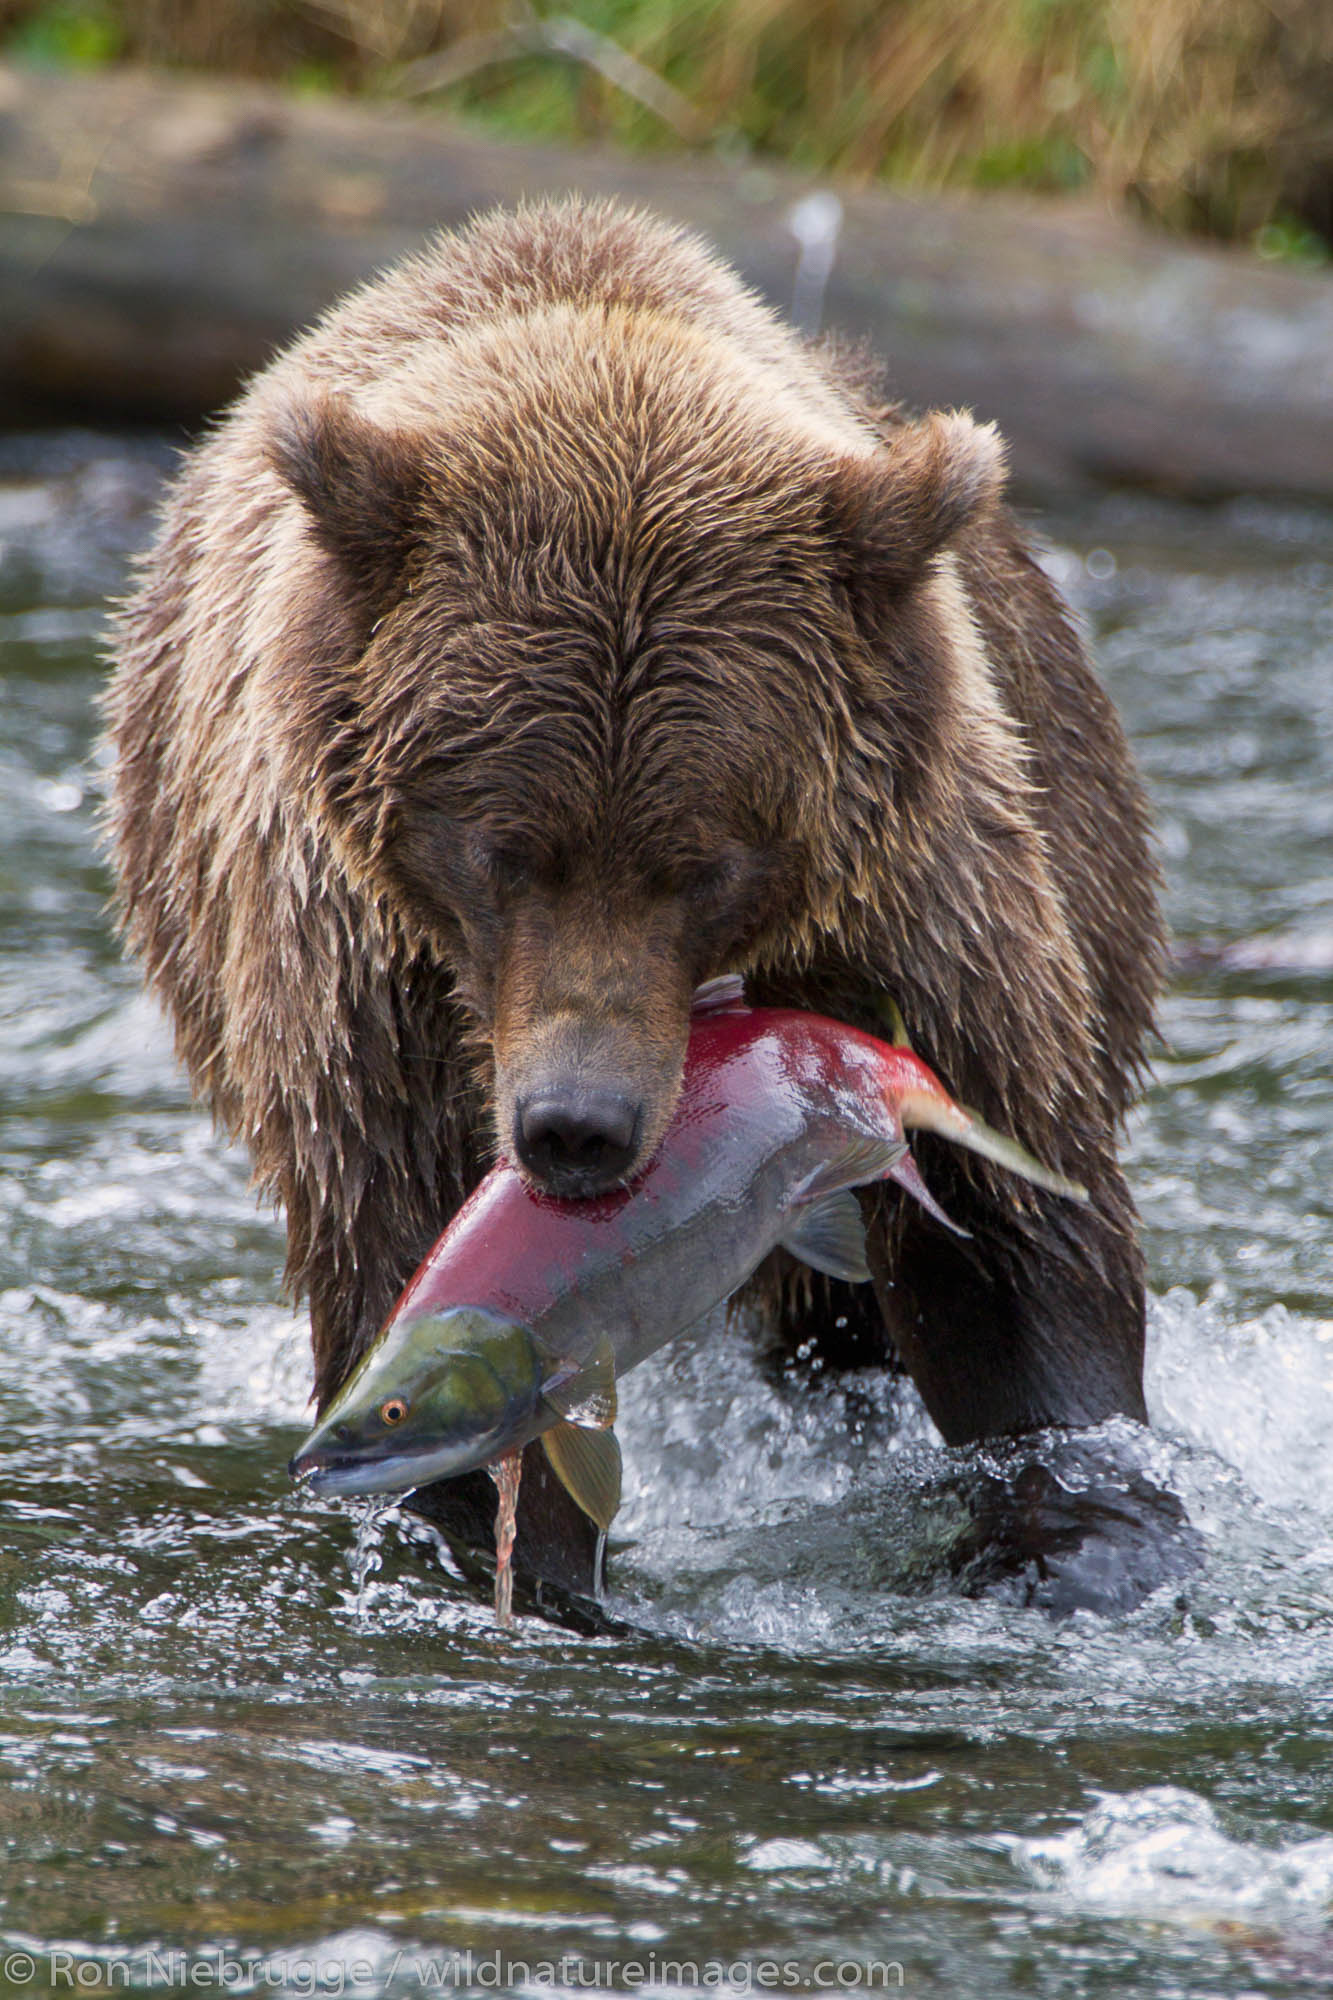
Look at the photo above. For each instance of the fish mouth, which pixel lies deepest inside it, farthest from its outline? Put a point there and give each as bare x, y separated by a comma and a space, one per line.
336, 1476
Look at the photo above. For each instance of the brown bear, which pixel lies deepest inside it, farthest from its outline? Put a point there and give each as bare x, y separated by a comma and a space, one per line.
548, 630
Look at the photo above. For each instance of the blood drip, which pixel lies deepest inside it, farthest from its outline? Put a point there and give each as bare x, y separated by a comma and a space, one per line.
506, 1473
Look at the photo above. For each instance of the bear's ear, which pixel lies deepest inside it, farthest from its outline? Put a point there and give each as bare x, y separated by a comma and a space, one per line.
891, 512
362, 490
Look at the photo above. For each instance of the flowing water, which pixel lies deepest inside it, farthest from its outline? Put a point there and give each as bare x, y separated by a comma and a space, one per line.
252, 1743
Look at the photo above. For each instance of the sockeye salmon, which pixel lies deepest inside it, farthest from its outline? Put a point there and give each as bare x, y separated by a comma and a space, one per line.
529, 1308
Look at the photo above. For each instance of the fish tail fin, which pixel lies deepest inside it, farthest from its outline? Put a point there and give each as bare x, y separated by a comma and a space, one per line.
925, 1105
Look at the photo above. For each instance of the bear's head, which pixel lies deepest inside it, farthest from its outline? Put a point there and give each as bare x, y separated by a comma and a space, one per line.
612, 663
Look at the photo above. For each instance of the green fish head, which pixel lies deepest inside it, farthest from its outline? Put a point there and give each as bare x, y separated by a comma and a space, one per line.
433, 1398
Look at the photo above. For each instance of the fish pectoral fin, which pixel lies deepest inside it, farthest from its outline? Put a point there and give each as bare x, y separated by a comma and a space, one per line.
825, 1229
587, 1396
587, 1464
829, 1234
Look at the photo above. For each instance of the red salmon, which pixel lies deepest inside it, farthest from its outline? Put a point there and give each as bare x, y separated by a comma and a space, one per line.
528, 1308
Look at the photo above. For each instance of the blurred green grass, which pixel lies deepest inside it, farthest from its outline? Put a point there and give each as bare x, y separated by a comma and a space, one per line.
1208, 116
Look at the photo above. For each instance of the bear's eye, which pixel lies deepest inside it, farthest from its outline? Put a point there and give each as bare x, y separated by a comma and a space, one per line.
711, 880
510, 873
393, 1411
705, 883
506, 872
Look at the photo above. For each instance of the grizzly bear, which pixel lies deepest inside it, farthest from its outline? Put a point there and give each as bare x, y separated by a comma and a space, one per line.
548, 630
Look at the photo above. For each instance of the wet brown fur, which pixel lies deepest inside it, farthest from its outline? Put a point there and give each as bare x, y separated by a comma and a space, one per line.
549, 629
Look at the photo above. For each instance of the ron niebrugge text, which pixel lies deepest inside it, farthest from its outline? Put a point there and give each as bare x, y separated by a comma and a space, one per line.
421, 1972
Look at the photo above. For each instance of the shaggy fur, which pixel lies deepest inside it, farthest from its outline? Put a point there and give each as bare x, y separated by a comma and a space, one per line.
550, 629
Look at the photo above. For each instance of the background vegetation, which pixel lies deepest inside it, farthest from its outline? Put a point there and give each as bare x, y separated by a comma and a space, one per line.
1207, 115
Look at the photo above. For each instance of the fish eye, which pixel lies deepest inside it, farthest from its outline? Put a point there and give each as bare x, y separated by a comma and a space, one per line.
393, 1411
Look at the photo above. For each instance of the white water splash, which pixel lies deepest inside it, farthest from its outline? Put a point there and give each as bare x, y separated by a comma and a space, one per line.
1164, 1852
259, 1369
1255, 1391
816, 1520
367, 1555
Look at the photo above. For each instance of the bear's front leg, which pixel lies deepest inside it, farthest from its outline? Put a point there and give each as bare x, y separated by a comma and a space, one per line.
557, 1556
1034, 1324
1034, 1318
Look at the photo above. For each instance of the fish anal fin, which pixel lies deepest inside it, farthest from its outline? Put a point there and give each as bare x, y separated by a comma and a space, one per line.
908, 1175
829, 1234
587, 1395
587, 1464
862, 1160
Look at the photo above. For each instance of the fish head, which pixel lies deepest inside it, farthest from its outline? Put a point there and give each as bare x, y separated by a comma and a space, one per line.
437, 1397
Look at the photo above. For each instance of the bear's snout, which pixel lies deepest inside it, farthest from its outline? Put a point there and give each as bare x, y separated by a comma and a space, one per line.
575, 1140
588, 1029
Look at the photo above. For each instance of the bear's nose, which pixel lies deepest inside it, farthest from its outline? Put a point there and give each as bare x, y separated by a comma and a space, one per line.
577, 1141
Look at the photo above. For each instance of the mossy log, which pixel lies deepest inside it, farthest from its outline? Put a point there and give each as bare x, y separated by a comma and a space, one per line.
160, 236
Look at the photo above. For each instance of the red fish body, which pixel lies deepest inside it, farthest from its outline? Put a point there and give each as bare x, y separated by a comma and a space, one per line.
770, 1098
528, 1308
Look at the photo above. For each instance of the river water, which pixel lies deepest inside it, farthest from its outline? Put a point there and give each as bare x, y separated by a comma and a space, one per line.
235, 1754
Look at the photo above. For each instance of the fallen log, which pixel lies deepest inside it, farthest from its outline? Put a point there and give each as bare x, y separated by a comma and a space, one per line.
161, 236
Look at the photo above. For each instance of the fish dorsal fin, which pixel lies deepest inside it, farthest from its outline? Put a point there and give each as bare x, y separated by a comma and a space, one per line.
727, 990
954, 1121
895, 1028
829, 1234
908, 1175
587, 1395
587, 1464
